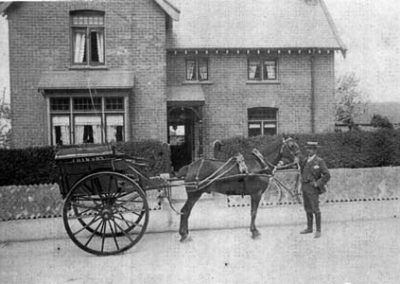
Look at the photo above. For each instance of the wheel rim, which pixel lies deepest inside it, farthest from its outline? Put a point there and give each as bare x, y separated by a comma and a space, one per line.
106, 213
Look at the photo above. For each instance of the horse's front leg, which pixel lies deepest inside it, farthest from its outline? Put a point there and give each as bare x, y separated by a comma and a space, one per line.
192, 198
255, 201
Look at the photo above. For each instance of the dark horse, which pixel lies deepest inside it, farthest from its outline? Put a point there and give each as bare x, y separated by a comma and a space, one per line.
237, 176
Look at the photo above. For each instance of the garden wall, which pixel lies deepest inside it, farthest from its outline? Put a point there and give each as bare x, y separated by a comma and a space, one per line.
346, 185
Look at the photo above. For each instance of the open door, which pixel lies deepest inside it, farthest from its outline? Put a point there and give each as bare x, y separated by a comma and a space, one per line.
181, 136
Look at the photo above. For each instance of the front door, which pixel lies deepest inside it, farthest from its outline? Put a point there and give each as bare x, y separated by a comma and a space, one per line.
181, 123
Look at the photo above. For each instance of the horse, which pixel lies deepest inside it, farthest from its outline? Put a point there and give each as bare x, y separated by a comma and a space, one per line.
237, 176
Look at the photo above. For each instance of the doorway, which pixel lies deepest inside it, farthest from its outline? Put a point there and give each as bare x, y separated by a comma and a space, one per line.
181, 136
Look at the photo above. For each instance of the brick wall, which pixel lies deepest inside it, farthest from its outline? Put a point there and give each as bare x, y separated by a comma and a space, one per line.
40, 41
229, 94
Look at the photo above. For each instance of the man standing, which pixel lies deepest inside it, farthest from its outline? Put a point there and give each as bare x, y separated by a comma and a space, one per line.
315, 175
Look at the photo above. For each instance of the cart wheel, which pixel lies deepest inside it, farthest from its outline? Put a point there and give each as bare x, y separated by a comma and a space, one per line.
106, 213
273, 194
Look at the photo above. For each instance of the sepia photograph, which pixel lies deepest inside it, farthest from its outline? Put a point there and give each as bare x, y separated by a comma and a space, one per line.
200, 141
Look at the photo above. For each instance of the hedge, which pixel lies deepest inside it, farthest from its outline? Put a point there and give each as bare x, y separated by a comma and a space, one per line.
354, 149
36, 165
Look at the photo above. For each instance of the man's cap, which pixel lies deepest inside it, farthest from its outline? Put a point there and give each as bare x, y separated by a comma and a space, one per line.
312, 144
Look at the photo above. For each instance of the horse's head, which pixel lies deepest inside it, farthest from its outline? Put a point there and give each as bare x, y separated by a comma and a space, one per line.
289, 151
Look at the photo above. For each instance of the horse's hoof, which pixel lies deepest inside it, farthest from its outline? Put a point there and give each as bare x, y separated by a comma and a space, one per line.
185, 239
255, 235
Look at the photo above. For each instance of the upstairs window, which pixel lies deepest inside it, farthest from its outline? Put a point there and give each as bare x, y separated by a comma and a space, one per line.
87, 29
262, 69
197, 69
262, 121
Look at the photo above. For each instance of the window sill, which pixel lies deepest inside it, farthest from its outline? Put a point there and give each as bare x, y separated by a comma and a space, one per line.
270, 82
197, 82
88, 67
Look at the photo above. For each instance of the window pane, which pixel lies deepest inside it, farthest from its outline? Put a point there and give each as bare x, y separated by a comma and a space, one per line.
87, 129
262, 113
269, 128
59, 104
176, 135
254, 70
269, 70
87, 104
190, 70
114, 128
115, 103
97, 46
203, 69
60, 130
254, 128
79, 38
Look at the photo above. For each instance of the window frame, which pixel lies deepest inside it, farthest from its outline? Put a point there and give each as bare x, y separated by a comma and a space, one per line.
197, 69
88, 29
261, 63
262, 121
72, 113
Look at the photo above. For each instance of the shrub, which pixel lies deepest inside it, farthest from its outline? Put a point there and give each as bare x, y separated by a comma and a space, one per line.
353, 149
37, 165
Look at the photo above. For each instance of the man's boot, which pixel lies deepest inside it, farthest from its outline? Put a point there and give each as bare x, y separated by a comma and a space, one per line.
318, 224
308, 230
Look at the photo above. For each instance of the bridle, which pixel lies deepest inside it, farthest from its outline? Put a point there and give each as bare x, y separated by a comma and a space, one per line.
285, 144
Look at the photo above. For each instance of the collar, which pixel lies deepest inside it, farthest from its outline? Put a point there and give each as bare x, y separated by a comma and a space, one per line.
309, 159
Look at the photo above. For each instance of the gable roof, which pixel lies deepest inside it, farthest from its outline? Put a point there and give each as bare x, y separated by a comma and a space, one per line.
254, 24
168, 8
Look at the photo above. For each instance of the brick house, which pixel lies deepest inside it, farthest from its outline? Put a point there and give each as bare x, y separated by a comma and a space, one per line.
185, 73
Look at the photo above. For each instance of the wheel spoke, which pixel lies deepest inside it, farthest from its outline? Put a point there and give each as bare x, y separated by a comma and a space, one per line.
134, 211
113, 234
125, 233
85, 206
95, 219
128, 221
103, 235
93, 234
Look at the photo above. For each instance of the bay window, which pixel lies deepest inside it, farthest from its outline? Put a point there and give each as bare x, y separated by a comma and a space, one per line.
82, 120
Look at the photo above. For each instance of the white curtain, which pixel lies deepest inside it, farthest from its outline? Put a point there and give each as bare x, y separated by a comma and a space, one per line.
100, 45
63, 123
190, 70
113, 121
203, 71
80, 45
270, 69
94, 122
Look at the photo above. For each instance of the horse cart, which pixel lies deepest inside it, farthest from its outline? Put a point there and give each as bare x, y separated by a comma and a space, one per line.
106, 210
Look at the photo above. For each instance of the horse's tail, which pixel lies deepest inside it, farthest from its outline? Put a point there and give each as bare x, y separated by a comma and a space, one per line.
182, 172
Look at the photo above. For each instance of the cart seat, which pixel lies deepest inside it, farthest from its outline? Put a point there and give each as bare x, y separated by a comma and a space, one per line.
84, 152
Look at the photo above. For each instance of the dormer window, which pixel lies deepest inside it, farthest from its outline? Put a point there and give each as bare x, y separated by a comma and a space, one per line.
87, 29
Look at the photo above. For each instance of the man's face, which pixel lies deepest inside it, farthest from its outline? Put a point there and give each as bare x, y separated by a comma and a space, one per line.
311, 151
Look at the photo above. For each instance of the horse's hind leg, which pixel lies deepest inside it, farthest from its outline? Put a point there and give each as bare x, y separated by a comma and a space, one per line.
192, 198
255, 201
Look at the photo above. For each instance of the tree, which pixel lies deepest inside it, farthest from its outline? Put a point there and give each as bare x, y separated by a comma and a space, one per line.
380, 121
350, 101
5, 117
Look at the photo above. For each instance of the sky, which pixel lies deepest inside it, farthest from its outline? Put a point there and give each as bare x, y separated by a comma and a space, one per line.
369, 28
